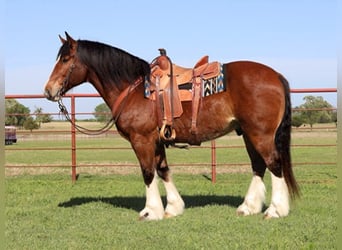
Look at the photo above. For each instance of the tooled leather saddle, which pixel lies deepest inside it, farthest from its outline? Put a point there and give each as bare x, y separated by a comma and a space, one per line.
170, 85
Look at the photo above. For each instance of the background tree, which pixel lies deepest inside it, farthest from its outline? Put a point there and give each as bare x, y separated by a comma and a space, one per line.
16, 113
30, 124
102, 113
311, 112
45, 118
297, 119
42, 118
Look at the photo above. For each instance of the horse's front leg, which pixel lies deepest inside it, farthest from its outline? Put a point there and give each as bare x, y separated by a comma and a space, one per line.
154, 209
175, 203
144, 148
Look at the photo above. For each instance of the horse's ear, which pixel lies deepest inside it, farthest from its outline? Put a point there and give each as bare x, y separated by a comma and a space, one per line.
69, 38
62, 39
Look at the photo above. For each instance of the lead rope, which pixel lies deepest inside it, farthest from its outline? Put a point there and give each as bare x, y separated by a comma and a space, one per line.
81, 129
109, 124
84, 130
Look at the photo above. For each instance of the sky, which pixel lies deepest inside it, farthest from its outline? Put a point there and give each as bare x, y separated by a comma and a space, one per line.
298, 38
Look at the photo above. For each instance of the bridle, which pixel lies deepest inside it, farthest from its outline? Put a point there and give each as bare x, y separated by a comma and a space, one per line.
66, 79
116, 109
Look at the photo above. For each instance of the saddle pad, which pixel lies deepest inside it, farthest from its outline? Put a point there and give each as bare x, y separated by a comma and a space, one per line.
213, 85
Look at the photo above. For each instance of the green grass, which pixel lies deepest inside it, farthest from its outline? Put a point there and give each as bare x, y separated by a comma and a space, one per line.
101, 212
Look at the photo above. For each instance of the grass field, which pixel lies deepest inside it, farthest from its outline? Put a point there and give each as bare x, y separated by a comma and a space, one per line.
100, 211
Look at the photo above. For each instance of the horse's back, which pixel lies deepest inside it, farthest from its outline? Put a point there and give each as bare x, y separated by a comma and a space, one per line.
250, 74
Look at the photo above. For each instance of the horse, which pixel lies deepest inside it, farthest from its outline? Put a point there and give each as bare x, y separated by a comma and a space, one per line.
256, 103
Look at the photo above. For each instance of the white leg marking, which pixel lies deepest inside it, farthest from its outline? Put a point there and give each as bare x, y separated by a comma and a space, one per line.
254, 199
280, 199
154, 209
175, 203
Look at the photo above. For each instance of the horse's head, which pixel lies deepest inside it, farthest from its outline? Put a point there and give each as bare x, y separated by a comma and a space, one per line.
68, 71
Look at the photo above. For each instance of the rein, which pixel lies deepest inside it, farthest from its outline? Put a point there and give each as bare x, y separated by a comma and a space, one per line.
84, 130
116, 109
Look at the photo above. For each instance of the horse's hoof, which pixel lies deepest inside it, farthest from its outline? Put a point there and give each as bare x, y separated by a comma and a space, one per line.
271, 213
148, 214
268, 217
243, 210
167, 215
143, 217
241, 213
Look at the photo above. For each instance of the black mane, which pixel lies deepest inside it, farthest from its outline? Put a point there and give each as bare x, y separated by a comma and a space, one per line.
112, 65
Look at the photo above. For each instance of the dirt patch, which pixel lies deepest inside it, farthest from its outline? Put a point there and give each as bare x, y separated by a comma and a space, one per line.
124, 170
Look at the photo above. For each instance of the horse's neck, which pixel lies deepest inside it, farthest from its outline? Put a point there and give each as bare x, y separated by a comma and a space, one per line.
109, 93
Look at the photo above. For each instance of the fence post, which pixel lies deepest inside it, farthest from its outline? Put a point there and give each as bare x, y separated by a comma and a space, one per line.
73, 140
213, 161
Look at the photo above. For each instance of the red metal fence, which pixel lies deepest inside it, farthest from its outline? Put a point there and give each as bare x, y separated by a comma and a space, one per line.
73, 132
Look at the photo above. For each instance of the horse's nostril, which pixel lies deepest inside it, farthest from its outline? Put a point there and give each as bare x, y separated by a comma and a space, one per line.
47, 94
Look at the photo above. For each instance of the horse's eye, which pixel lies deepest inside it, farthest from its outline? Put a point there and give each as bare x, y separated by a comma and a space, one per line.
65, 59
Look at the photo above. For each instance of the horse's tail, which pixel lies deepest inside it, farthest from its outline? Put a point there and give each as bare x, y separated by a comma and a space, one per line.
283, 140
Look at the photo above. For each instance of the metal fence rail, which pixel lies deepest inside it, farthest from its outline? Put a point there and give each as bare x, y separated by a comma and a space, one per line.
71, 133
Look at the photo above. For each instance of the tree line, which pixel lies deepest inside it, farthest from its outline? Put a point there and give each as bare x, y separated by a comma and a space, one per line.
314, 110
20, 116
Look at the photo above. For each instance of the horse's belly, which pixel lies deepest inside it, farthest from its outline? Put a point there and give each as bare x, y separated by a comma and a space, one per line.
208, 127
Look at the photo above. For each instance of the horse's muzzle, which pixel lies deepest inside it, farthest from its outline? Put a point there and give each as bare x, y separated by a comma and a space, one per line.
52, 97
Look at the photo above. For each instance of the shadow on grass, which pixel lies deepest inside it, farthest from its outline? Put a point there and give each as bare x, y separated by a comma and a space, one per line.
137, 203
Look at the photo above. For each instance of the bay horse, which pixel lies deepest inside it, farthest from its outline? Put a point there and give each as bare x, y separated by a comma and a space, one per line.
256, 103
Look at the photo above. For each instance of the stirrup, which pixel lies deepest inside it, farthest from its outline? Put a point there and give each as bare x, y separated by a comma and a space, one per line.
167, 133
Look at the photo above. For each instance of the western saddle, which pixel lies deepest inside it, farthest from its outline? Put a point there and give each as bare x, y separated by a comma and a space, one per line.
171, 82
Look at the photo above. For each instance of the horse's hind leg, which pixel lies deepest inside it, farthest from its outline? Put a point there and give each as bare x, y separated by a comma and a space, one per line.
255, 196
280, 205
175, 203
262, 150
